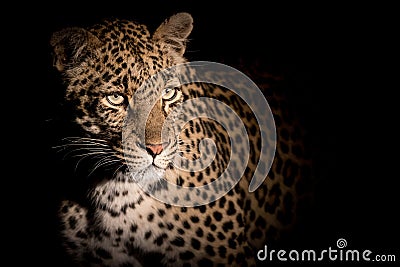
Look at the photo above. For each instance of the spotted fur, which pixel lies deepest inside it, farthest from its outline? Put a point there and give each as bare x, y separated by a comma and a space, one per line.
120, 225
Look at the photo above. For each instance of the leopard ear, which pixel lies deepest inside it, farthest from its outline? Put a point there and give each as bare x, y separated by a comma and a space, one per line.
72, 46
173, 32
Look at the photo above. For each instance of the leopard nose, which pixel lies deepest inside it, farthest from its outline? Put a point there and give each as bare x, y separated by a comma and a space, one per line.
154, 149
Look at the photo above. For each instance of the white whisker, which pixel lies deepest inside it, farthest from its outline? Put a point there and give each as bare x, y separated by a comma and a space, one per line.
103, 162
85, 148
72, 138
117, 169
79, 144
70, 154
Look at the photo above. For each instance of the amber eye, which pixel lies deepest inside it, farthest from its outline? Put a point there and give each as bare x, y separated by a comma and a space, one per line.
170, 93
115, 99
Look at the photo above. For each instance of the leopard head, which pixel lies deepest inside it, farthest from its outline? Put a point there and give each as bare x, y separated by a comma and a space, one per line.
104, 68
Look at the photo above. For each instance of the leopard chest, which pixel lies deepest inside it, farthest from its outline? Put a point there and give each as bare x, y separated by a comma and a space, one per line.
125, 216
129, 219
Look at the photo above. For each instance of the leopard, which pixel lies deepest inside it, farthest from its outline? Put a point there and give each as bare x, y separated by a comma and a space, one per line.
123, 85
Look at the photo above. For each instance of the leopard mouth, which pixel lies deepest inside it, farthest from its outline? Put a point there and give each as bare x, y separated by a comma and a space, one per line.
157, 167
148, 164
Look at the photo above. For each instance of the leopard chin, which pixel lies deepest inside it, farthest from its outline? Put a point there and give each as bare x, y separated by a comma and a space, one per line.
149, 177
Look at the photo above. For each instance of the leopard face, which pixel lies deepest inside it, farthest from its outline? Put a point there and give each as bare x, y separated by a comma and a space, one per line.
104, 66
111, 73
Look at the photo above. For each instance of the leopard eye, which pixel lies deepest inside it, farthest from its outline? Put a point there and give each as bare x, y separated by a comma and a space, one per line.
170, 93
115, 99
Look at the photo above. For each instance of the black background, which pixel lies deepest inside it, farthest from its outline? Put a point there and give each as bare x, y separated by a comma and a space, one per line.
336, 58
